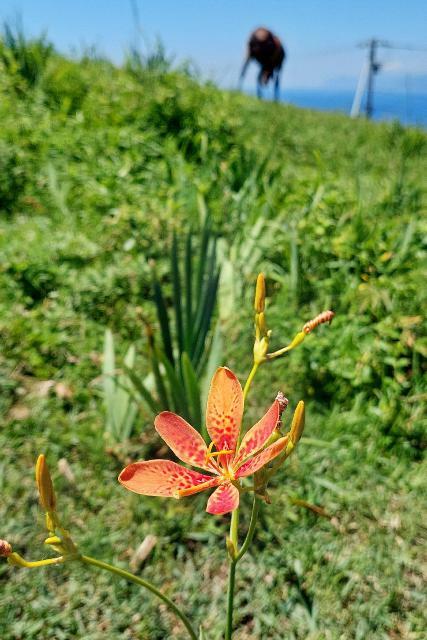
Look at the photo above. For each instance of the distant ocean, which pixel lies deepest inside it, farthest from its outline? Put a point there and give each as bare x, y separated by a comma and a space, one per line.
409, 109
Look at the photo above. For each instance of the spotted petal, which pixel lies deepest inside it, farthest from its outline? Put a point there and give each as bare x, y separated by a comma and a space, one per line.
224, 409
224, 499
186, 443
258, 461
162, 478
258, 435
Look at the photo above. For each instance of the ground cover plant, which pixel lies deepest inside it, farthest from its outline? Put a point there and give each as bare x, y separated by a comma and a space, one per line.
95, 165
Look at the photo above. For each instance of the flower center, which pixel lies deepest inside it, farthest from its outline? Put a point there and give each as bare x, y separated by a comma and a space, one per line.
221, 465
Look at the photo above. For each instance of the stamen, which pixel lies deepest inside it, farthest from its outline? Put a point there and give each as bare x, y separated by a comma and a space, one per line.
218, 453
181, 493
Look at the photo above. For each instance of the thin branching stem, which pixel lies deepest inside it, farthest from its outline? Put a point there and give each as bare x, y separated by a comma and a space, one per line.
142, 583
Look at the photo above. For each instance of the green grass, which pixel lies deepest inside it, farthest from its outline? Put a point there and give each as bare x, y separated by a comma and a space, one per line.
97, 168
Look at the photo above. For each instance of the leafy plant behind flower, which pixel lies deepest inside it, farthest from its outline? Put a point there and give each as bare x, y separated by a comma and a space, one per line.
184, 352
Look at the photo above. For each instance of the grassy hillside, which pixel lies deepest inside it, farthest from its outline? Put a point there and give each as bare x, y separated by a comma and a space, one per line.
97, 166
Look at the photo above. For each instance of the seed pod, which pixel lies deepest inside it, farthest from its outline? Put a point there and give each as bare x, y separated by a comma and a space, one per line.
5, 549
325, 316
260, 294
44, 484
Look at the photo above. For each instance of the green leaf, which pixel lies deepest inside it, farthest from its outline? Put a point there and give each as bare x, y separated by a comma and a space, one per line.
143, 392
176, 388
176, 291
108, 379
162, 315
192, 391
215, 359
188, 291
160, 385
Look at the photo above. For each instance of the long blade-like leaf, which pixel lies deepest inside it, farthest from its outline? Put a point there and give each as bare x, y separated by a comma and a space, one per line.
207, 306
214, 360
176, 292
143, 392
160, 385
211, 299
123, 399
162, 315
201, 267
188, 291
176, 389
108, 378
192, 391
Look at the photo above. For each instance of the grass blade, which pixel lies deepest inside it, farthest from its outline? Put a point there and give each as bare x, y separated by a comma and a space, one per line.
192, 391
176, 291
142, 391
158, 378
108, 379
162, 315
188, 291
176, 388
206, 232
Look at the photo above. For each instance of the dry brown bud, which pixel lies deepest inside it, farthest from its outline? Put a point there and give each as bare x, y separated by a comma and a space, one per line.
5, 549
283, 402
325, 316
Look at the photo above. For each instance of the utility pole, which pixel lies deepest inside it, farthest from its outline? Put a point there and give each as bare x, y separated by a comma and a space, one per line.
366, 80
367, 74
373, 68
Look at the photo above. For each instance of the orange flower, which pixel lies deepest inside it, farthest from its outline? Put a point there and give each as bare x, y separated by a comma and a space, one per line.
228, 463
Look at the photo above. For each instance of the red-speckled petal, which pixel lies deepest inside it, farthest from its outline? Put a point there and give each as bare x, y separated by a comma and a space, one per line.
258, 461
186, 443
161, 478
258, 435
224, 409
223, 500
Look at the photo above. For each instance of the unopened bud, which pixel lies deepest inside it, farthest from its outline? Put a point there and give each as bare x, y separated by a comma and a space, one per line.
297, 425
44, 484
260, 321
300, 337
260, 294
5, 549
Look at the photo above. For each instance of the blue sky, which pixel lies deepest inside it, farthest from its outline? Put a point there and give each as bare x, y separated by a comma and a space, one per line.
320, 36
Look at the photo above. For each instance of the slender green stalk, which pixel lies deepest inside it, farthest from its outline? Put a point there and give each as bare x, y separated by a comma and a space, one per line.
230, 600
234, 525
249, 380
147, 585
251, 529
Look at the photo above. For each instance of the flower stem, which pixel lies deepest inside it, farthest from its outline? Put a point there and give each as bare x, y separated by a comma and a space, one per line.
234, 525
230, 599
249, 380
142, 583
251, 530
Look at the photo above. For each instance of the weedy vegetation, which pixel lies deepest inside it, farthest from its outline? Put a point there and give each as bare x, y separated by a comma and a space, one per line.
106, 171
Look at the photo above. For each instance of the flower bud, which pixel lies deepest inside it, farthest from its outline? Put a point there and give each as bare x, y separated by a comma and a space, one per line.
44, 484
260, 294
5, 549
297, 425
